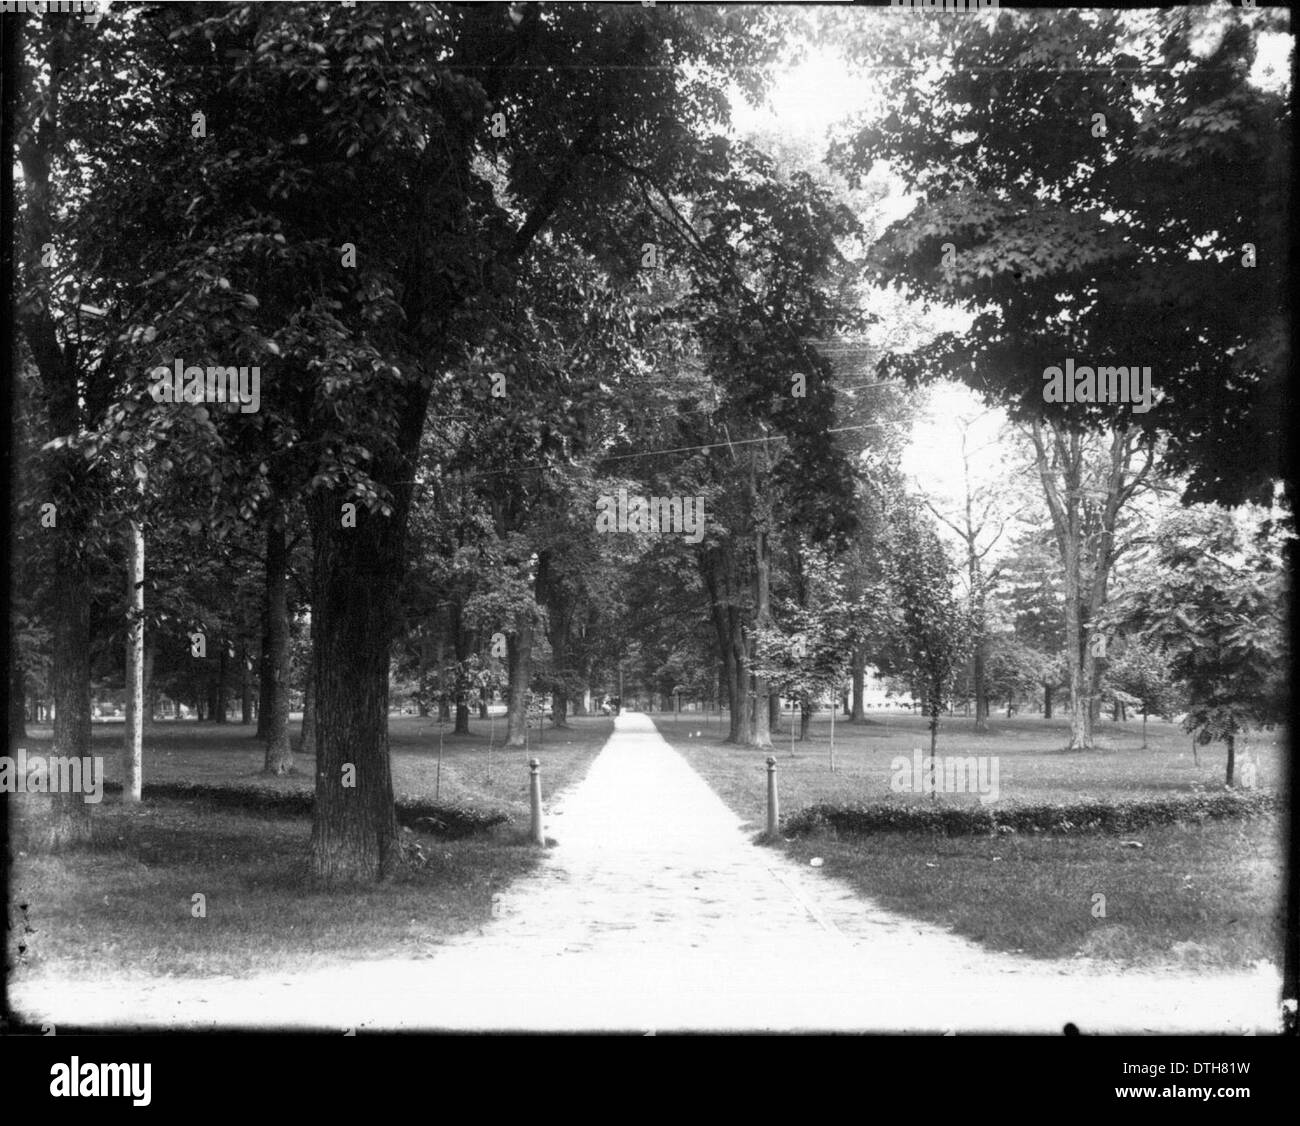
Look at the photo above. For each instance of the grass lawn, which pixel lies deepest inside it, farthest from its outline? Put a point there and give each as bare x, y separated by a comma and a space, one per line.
122, 905
1202, 895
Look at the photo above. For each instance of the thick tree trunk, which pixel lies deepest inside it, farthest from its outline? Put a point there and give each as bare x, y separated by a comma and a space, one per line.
279, 751
519, 653
265, 676
805, 718
483, 704
64, 818
1047, 701
859, 667
356, 574
1232, 758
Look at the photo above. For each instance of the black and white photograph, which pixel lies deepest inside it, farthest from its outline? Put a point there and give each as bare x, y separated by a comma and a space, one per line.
642, 519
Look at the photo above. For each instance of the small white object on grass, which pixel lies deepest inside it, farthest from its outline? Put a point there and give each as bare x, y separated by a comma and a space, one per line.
1130, 844
816, 862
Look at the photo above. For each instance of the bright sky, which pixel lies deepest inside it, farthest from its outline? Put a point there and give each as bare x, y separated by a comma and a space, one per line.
806, 99
810, 98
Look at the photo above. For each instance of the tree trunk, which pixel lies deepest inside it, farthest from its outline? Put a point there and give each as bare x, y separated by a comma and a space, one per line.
68, 821
1232, 758
718, 570
774, 712
307, 735
1047, 701
981, 687
805, 718
17, 696
223, 703
151, 700
519, 653
859, 666
483, 704
356, 574
1144, 730
70, 484
762, 734
460, 639
422, 696
934, 740
265, 673
133, 736
245, 685
279, 751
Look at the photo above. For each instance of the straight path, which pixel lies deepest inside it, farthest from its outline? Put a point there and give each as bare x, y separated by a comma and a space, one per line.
655, 911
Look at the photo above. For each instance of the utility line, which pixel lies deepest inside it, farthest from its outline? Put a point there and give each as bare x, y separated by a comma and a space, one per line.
461, 478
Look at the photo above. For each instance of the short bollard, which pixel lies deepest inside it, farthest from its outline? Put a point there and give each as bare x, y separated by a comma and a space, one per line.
535, 830
773, 814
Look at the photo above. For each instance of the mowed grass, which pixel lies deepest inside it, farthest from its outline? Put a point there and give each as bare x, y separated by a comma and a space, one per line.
122, 905
1207, 895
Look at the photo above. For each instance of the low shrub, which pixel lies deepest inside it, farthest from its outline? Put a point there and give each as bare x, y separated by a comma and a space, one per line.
1072, 817
450, 822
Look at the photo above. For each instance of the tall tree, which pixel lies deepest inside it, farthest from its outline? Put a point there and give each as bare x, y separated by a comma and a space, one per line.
932, 638
1087, 487
1104, 185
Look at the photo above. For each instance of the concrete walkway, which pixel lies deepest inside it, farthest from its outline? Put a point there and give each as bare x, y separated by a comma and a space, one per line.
656, 912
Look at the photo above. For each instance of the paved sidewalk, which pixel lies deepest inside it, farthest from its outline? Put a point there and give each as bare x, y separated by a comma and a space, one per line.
656, 912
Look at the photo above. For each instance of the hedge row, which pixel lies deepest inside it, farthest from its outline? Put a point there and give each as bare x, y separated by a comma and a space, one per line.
451, 822
1072, 817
